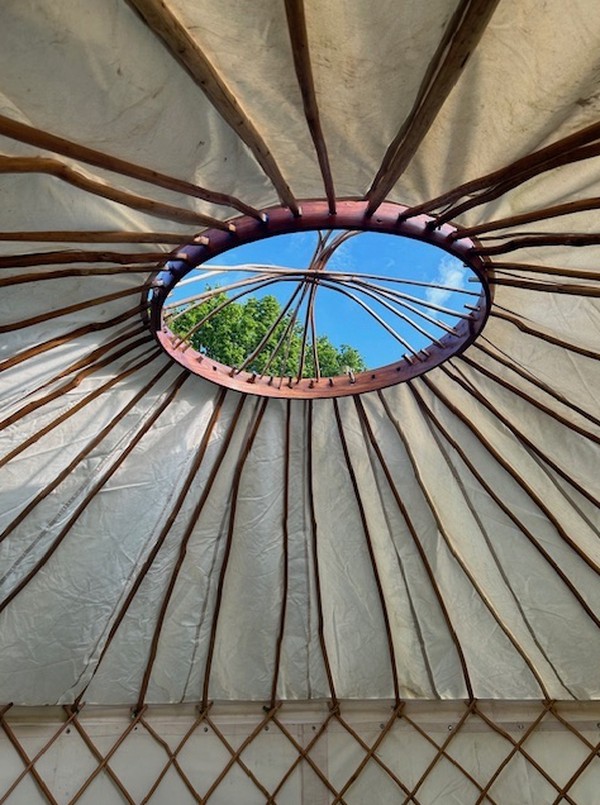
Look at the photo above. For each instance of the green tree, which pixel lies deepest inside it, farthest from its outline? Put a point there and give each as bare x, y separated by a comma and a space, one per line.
237, 329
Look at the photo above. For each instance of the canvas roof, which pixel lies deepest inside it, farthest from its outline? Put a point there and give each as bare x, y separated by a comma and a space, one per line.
164, 540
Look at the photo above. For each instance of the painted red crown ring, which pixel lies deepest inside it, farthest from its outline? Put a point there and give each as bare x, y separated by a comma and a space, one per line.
350, 215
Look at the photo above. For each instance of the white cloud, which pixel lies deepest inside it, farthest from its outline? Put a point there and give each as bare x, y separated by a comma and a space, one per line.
450, 272
300, 242
343, 258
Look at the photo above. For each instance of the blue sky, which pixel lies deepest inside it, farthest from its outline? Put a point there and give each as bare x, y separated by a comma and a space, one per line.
337, 316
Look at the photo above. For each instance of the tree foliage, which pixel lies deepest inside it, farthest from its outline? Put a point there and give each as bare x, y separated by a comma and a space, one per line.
236, 330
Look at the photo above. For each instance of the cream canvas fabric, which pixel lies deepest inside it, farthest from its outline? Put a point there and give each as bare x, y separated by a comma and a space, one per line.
167, 542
